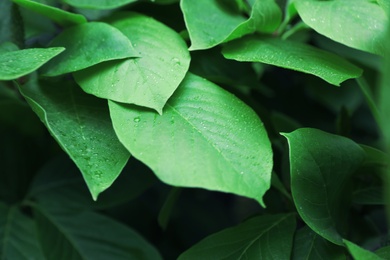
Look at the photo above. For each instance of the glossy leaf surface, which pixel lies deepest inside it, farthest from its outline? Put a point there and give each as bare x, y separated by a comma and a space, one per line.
88, 235
361, 25
205, 138
211, 22
98, 4
321, 165
18, 237
15, 64
292, 55
81, 125
309, 245
359, 253
96, 42
263, 237
146, 81
57, 15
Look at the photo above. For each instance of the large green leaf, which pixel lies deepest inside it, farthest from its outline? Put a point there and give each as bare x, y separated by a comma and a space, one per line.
60, 183
146, 81
15, 64
57, 15
96, 42
321, 165
292, 55
98, 4
87, 235
361, 25
205, 138
309, 245
211, 22
11, 24
359, 253
262, 237
81, 125
18, 237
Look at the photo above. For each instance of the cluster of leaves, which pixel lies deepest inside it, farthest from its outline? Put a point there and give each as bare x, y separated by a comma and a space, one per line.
256, 99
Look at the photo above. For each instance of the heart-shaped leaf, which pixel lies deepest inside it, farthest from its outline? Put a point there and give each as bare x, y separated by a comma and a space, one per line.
81, 125
292, 55
146, 81
95, 42
321, 165
15, 64
205, 138
361, 25
263, 237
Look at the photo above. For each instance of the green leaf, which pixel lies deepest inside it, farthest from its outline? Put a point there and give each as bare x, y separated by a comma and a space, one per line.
369, 196
81, 125
210, 22
55, 14
146, 81
18, 237
205, 138
87, 235
263, 237
166, 210
96, 42
309, 245
98, 4
60, 183
15, 64
375, 157
292, 55
361, 25
11, 24
359, 253
321, 165
383, 252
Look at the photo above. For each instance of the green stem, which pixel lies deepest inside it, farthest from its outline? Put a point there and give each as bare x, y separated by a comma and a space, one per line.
369, 99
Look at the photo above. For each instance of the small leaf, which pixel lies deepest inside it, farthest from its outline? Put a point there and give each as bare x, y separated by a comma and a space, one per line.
359, 253
98, 4
81, 125
292, 55
321, 165
87, 45
15, 64
55, 14
205, 138
146, 81
309, 245
263, 237
210, 22
18, 236
87, 235
361, 25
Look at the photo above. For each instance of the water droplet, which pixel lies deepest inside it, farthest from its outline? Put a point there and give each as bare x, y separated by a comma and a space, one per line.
176, 61
241, 173
137, 119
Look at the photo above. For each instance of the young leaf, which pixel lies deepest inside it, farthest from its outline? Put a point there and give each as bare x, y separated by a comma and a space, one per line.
262, 237
205, 138
88, 235
292, 55
309, 245
81, 125
210, 23
321, 165
98, 4
361, 25
15, 64
55, 14
146, 81
18, 237
96, 42
359, 253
